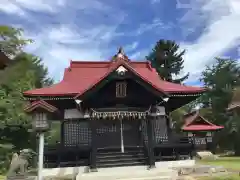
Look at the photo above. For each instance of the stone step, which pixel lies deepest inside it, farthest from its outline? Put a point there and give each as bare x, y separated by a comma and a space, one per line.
120, 155
117, 153
120, 163
121, 159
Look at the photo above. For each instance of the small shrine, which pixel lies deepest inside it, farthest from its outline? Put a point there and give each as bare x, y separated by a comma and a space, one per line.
200, 130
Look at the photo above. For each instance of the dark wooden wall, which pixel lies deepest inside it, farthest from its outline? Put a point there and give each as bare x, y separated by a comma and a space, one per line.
137, 96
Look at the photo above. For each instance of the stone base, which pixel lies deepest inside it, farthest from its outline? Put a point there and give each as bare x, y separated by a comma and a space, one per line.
201, 169
175, 164
21, 177
205, 155
164, 169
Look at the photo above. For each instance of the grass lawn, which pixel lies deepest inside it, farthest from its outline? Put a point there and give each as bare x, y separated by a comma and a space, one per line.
230, 177
2, 177
232, 163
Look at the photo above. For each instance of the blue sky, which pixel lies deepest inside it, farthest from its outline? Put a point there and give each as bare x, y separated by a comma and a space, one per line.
94, 29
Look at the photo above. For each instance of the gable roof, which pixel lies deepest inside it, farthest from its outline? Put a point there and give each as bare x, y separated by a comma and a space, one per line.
40, 104
192, 125
81, 76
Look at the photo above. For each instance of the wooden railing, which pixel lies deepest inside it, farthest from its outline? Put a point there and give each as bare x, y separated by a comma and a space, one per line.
60, 156
175, 148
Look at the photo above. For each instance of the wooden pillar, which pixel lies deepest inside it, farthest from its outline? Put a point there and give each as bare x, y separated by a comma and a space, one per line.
151, 156
40, 155
93, 154
61, 148
169, 130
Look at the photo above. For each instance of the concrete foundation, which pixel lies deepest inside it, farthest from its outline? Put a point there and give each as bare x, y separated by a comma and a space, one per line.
165, 170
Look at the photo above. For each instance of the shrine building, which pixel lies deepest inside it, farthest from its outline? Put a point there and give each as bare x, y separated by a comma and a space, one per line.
112, 113
200, 130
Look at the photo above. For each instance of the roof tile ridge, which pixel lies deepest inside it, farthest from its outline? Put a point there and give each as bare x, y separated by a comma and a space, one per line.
193, 117
119, 62
206, 120
149, 66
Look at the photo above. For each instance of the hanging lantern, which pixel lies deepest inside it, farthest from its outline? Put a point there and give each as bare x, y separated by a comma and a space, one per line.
86, 114
40, 121
154, 111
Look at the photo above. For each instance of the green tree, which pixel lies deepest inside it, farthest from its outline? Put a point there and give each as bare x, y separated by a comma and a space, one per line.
11, 40
221, 78
177, 118
26, 72
167, 59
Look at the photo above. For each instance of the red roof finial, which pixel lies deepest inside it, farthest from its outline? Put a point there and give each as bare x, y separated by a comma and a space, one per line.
120, 51
120, 55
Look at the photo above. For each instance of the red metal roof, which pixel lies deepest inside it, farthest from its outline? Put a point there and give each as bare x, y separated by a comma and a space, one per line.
202, 128
82, 75
191, 125
40, 104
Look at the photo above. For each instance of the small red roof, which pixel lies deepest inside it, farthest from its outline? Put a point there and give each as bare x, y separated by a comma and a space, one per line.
202, 128
40, 104
195, 122
82, 76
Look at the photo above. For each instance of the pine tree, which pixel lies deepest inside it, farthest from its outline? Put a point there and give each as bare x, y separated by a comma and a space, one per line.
167, 59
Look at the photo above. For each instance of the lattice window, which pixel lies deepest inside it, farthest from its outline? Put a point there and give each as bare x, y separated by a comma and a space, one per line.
200, 141
77, 133
209, 139
121, 89
144, 131
105, 128
41, 120
160, 128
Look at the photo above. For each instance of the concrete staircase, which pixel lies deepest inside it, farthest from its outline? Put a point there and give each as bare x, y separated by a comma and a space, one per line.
115, 158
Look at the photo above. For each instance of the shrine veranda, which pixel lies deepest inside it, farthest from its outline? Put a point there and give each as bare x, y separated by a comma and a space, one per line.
112, 113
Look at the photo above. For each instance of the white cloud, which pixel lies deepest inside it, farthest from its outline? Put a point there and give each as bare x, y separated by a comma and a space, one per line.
59, 44
56, 44
11, 8
155, 1
140, 54
91, 38
221, 33
155, 24
18, 7
131, 47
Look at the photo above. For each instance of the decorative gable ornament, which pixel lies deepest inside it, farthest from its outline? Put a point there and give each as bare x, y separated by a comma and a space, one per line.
121, 70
